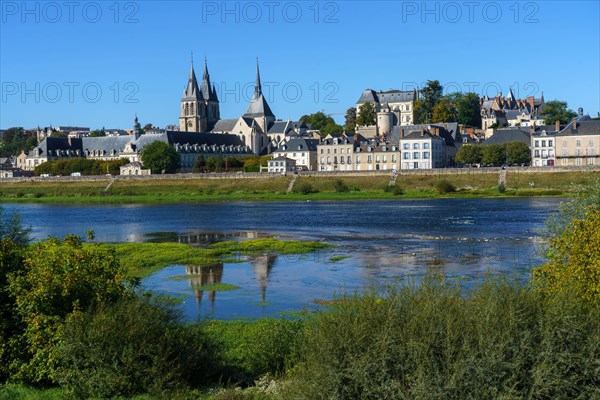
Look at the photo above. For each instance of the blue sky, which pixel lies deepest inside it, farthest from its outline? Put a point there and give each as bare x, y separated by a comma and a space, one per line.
97, 63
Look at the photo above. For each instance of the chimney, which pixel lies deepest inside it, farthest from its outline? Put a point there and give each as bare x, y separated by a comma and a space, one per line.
532, 128
575, 123
402, 132
356, 138
557, 125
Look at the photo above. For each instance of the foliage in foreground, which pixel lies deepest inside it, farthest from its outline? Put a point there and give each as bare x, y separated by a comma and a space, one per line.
434, 341
82, 165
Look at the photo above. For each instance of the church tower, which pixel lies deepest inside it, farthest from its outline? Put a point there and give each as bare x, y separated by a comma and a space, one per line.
258, 109
209, 94
193, 109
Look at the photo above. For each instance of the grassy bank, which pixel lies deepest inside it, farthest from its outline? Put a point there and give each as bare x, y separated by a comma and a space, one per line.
143, 259
422, 185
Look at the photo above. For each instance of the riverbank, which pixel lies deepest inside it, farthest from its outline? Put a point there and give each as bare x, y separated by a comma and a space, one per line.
217, 188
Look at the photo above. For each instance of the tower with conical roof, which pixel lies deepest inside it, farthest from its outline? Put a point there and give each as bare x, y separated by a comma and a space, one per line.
259, 109
192, 116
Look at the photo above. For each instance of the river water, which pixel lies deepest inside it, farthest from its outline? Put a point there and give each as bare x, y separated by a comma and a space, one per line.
384, 242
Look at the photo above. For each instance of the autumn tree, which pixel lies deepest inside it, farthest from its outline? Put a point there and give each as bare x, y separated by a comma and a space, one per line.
443, 111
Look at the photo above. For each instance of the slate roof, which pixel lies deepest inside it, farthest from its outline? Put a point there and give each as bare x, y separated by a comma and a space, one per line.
106, 143
390, 96
508, 135
258, 107
192, 91
280, 127
584, 127
225, 125
298, 144
449, 131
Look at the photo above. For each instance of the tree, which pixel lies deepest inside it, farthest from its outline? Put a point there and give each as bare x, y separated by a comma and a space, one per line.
443, 111
199, 164
98, 133
350, 124
468, 110
16, 140
517, 153
11, 227
215, 163
331, 128
557, 110
367, 115
494, 154
574, 266
430, 95
160, 157
59, 278
147, 127
469, 154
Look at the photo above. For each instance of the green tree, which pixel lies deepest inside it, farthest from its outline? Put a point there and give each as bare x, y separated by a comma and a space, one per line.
318, 120
557, 110
469, 154
16, 140
147, 127
215, 163
443, 111
331, 128
517, 153
160, 157
467, 110
57, 279
98, 133
199, 164
350, 124
494, 154
431, 94
367, 115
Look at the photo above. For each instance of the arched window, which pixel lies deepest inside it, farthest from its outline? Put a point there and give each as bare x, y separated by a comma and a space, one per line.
192, 108
187, 108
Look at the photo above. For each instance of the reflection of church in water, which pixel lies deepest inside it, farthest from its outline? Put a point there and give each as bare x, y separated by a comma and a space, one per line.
208, 275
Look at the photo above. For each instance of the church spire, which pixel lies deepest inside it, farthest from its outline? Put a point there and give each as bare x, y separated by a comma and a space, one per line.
257, 85
192, 91
207, 91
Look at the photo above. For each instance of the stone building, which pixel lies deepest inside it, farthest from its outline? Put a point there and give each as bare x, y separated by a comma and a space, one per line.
303, 151
578, 144
494, 110
393, 107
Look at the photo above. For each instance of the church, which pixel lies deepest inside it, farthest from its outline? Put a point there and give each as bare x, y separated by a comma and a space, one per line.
257, 128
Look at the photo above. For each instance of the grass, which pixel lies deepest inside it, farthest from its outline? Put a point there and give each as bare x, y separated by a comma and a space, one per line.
338, 258
143, 259
217, 287
472, 183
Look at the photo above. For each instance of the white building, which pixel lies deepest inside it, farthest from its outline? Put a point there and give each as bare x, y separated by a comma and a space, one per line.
282, 165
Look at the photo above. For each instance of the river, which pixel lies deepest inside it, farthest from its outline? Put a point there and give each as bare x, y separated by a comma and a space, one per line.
384, 242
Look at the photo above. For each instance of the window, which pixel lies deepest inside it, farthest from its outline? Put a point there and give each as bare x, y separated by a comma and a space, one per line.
543, 143
426, 155
334, 151
384, 158
578, 143
349, 160
322, 160
369, 158
426, 145
416, 146
550, 143
564, 143
406, 156
358, 159
342, 150
406, 146
537, 143
537, 153
393, 158
591, 142
377, 158
328, 151
322, 151
416, 155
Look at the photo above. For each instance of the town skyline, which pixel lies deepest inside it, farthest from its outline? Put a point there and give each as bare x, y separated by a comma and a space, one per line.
112, 70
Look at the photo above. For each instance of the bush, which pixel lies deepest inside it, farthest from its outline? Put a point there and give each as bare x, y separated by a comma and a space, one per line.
132, 347
305, 188
501, 187
248, 350
398, 190
444, 186
340, 186
436, 341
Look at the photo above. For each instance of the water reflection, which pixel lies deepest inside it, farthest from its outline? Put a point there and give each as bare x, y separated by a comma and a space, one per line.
199, 238
262, 266
200, 277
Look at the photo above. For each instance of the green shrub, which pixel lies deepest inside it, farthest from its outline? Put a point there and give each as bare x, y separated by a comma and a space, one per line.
435, 340
444, 186
248, 350
387, 188
501, 187
132, 347
398, 190
305, 188
340, 186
